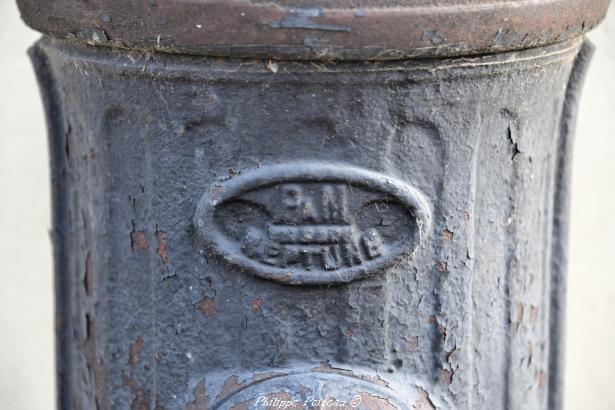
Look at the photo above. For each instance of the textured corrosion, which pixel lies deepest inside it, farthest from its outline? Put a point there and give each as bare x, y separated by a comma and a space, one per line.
317, 29
157, 315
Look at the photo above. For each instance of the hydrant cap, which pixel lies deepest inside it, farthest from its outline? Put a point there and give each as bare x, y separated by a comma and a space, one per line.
317, 29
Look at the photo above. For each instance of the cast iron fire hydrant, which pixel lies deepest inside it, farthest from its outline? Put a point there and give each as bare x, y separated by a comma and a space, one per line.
310, 204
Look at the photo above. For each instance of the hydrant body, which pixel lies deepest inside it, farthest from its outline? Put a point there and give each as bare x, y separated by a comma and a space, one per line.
311, 232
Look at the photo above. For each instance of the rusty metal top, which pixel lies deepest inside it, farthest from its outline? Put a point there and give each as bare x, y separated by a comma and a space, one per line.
317, 29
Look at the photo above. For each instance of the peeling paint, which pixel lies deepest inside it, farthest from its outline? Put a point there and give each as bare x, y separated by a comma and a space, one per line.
372, 402
424, 402
93, 36
230, 386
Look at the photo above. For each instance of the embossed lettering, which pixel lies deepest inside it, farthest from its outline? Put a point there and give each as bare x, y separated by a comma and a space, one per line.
314, 223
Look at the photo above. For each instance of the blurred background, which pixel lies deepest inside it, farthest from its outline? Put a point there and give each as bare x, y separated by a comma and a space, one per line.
26, 296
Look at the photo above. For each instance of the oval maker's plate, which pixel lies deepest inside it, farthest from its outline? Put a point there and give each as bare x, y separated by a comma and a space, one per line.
313, 223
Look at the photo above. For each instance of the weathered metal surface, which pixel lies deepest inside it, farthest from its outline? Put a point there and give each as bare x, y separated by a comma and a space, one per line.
163, 165
317, 29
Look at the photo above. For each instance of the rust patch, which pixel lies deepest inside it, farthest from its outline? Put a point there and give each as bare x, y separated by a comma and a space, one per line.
424, 402
516, 321
257, 305
327, 368
442, 266
377, 380
100, 385
163, 247
434, 321
59, 322
201, 400
447, 235
414, 343
88, 277
530, 353
447, 376
305, 391
95, 365
138, 240
89, 346
447, 355
371, 402
283, 278
349, 332
230, 386
134, 351
542, 378
278, 400
533, 313
140, 400
281, 396
207, 306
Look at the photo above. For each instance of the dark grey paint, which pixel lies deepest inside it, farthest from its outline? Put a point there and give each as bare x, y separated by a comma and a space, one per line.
149, 318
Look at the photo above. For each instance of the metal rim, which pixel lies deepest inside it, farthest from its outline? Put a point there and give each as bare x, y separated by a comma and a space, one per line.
379, 29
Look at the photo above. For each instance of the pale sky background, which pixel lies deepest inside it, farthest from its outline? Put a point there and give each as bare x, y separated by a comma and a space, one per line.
26, 296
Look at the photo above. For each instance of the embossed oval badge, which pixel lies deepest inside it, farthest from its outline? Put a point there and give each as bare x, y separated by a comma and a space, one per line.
313, 223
